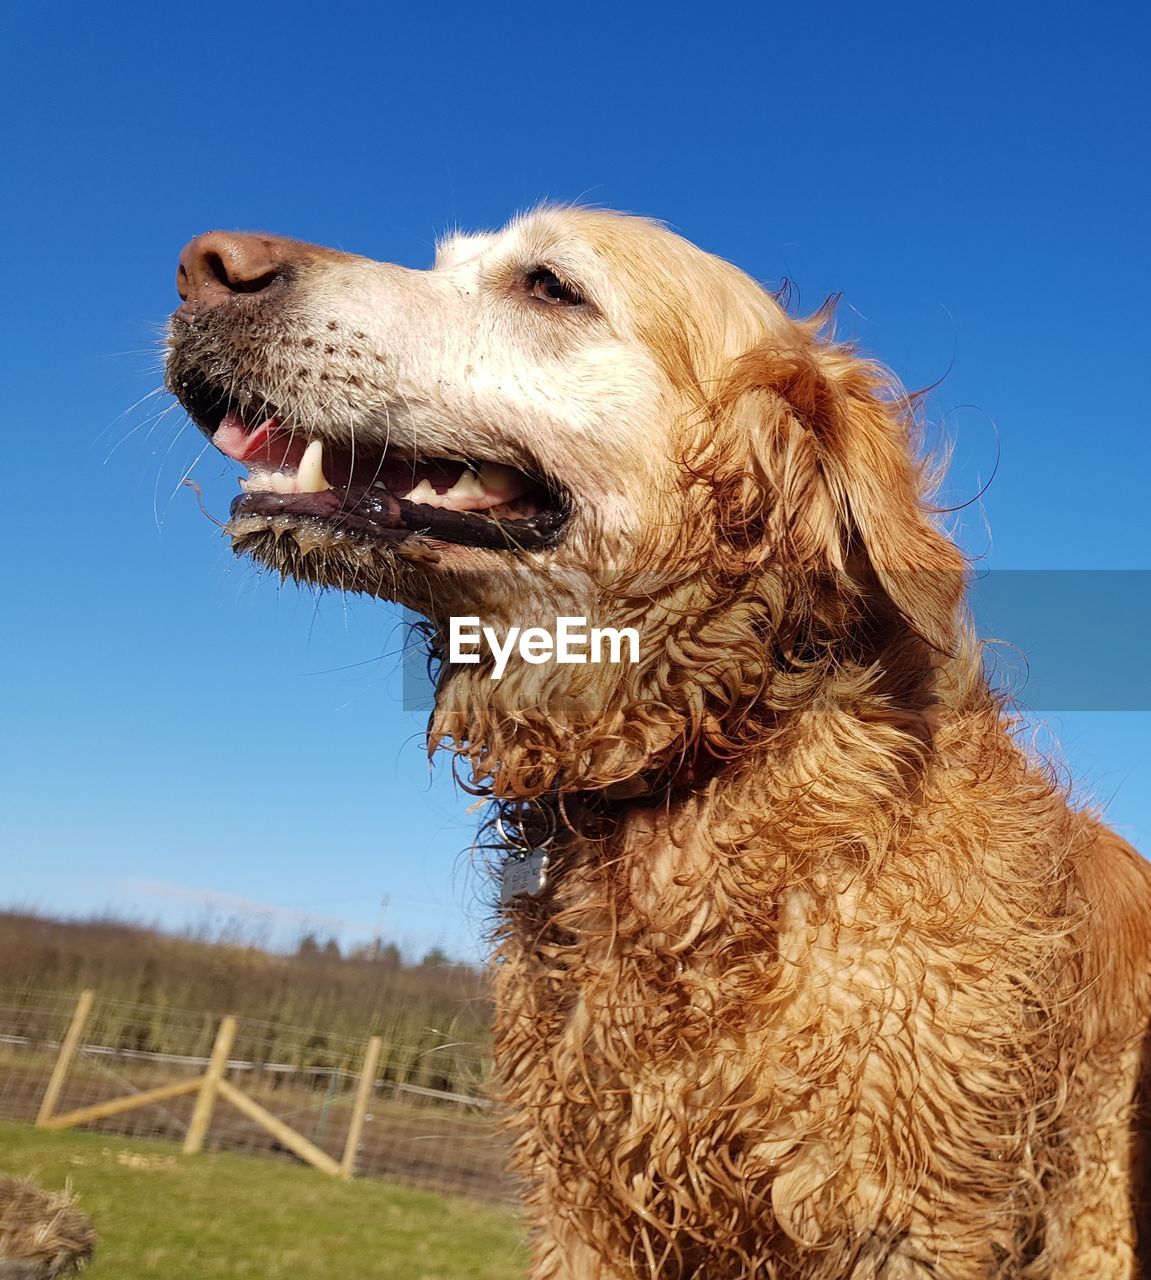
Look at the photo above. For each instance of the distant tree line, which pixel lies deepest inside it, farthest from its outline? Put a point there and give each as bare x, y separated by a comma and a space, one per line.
368, 991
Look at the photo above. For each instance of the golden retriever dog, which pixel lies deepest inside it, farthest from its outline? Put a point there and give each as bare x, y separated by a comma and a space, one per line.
805, 969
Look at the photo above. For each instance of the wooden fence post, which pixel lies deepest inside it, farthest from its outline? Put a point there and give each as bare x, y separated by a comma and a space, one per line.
64, 1058
360, 1106
209, 1087
102, 1110
284, 1134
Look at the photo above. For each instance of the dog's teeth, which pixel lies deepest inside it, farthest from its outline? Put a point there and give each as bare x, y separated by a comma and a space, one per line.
425, 494
466, 491
282, 483
258, 480
310, 476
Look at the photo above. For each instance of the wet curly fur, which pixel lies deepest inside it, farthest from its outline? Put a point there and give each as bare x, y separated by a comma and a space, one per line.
852, 992
829, 981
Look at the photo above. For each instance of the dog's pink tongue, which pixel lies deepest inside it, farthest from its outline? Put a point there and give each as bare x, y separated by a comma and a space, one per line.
247, 444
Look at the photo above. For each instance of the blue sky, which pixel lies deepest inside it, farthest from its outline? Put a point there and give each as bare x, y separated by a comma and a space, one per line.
187, 741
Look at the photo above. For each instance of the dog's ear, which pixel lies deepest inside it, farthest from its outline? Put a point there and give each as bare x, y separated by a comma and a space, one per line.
821, 469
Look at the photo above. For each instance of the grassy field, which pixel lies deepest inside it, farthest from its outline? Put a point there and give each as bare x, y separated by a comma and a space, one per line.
163, 1216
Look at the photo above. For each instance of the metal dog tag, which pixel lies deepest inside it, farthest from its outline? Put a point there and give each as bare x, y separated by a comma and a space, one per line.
528, 875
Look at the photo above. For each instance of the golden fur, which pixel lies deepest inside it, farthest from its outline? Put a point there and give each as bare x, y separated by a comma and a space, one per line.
829, 981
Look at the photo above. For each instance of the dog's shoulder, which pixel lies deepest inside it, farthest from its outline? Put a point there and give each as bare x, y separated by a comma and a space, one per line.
1115, 880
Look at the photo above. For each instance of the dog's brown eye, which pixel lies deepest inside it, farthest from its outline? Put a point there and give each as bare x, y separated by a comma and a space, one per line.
548, 287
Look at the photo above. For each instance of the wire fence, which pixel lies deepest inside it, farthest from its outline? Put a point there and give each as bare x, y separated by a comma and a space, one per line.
429, 1123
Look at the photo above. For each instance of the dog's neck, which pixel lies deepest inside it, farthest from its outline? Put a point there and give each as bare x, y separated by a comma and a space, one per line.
837, 773
781, 810
714, 687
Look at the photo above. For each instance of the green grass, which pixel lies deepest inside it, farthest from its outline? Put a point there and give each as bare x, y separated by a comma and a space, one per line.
164, 1216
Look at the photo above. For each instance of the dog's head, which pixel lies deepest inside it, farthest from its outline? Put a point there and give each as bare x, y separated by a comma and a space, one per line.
581, 414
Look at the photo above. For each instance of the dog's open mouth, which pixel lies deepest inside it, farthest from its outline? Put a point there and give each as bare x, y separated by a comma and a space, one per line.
383, 497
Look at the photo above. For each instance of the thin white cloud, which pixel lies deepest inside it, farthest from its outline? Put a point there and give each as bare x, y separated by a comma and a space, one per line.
250, 920
217, 902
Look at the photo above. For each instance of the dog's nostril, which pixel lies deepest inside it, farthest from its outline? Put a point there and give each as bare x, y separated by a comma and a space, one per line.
241, 278
257, 283
219, 265
214, 266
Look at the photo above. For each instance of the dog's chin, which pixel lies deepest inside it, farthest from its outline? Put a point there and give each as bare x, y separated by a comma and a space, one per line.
412, 566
